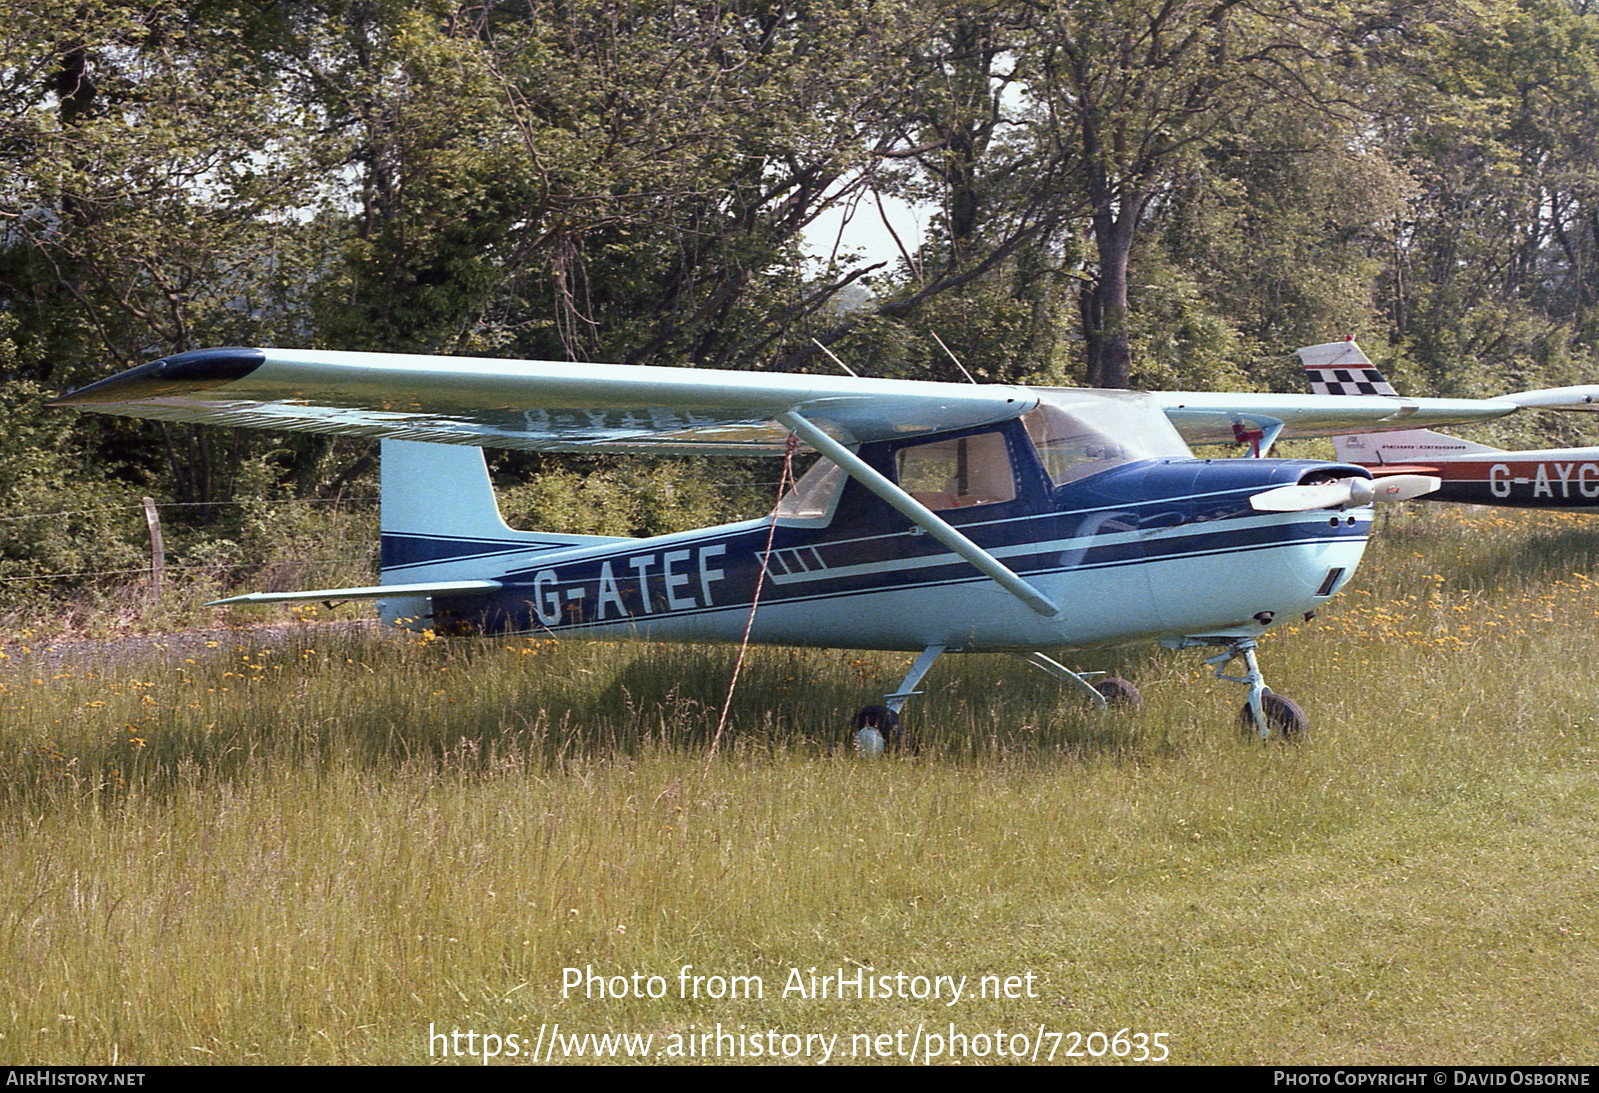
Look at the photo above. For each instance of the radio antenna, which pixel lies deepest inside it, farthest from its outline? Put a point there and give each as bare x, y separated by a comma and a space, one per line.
953, 357
836, 361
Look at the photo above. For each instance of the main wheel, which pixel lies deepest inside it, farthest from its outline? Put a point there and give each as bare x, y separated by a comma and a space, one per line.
1119, 694
876, 730
1284, 719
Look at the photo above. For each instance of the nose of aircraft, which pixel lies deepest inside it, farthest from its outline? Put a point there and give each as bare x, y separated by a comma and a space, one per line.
1224, 564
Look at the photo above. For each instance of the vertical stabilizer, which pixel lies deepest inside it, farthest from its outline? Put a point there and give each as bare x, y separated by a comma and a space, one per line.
1340, 368
439, 489
441, 522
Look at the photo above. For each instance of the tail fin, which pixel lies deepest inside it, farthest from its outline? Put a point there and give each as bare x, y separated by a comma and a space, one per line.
1409, 447
1340, 368
441, 522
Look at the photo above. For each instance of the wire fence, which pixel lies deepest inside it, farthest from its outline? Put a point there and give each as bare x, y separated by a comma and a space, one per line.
158, 565
190, 504
336, 501
161, 567
144, 569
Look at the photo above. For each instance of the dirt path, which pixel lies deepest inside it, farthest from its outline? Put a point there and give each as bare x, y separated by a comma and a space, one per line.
57, 653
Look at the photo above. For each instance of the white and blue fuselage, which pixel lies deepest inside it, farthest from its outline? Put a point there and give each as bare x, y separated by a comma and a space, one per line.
1143, 548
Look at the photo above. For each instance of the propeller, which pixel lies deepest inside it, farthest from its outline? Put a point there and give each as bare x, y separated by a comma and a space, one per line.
1344, 492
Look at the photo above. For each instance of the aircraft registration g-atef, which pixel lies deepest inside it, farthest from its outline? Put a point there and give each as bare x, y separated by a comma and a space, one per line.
1559, 478
940, 517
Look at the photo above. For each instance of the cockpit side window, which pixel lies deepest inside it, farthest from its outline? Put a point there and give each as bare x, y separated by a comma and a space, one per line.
957, 473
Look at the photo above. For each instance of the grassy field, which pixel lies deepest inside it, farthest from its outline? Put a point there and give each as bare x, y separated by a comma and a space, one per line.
320, 849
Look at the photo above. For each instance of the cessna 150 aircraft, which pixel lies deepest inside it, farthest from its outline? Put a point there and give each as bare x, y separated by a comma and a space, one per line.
1474, 473
941, 517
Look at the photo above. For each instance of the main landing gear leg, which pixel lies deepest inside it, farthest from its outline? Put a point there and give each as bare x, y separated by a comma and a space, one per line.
1109, 691
877, 727
1061, 672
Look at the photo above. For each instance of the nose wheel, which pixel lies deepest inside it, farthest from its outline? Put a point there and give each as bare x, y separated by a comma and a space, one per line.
1285, 721
1267, 715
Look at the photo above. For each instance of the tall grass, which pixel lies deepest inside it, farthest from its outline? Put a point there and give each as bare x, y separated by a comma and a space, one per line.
312, 849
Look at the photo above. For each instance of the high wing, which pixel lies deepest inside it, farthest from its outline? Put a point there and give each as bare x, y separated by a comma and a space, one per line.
533, 405
1213, 417
1349, 395
554, 406
576, 407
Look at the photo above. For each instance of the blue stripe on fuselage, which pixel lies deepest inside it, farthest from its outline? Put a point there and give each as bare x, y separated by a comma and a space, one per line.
560, 598
716, 570
400, 550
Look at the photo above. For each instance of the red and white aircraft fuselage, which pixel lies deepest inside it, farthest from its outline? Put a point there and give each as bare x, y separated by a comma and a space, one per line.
1471, 473
1478, 474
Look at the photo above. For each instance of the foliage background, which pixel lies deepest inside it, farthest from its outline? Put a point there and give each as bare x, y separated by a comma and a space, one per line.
1156, 193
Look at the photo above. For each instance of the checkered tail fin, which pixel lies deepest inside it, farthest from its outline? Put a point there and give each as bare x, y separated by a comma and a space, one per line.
1340, 368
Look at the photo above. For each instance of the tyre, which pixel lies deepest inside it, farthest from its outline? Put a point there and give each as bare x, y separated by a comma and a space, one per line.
877, 730
1119, 694
1284, 719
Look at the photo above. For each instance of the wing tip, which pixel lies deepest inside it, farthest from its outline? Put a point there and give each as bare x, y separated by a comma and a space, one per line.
181, 371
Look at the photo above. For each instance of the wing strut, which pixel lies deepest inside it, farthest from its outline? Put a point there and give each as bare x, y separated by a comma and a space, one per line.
919, 514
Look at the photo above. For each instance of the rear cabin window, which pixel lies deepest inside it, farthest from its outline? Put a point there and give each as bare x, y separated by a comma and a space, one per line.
960, 473
812, 496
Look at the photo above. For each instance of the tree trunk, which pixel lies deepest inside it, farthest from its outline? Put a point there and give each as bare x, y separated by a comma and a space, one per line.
1104, 299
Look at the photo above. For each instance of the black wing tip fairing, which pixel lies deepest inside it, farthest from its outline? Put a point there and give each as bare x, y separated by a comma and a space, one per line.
169, 375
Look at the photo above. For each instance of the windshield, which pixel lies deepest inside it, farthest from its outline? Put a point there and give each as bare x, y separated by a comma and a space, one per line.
1082, 432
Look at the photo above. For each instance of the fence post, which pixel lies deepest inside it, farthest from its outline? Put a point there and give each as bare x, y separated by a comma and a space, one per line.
158, 550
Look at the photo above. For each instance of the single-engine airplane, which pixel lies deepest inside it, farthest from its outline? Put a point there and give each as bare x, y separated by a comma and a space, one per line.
1565, 478
941, 517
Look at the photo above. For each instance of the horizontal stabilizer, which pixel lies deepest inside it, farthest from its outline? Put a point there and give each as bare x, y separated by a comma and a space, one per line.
1410, 446
369, 592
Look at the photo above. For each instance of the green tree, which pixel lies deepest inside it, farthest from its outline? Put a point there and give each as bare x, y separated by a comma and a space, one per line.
1141, 90
1496, 283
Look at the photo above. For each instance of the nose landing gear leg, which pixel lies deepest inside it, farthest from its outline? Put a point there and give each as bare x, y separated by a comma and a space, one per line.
1266, 715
